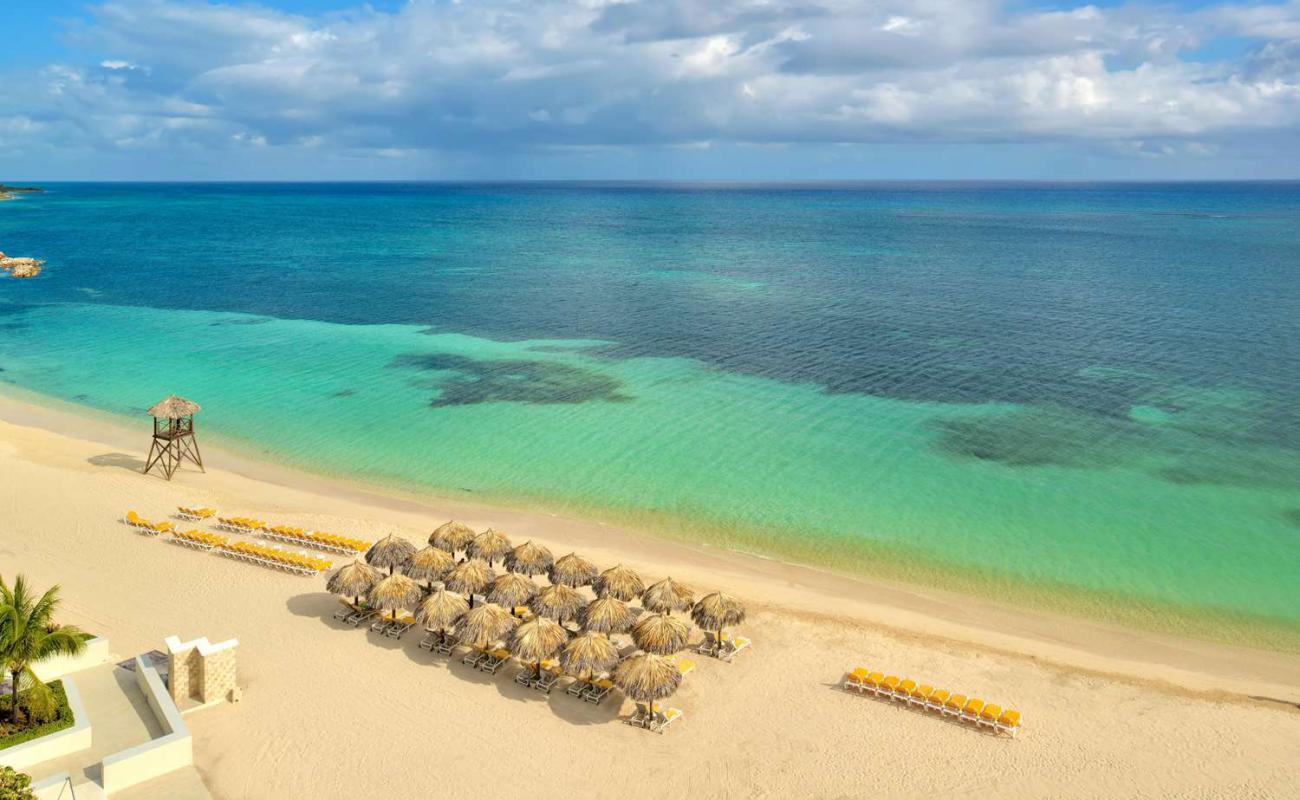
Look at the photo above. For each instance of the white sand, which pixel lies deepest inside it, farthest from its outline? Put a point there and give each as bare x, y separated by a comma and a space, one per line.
333, 712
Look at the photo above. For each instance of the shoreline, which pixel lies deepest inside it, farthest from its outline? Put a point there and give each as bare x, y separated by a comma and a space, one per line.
929, 616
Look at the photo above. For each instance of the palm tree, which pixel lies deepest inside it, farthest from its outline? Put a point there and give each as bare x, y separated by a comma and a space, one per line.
28, 634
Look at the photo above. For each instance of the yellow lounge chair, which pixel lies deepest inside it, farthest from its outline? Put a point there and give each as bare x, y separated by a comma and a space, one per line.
136, 521
936, 701
955, 703
887, 686
1009, 722
989, 716
873, 682
856, 680
903, 692
685, 666
971, 712
920, 695
663, 719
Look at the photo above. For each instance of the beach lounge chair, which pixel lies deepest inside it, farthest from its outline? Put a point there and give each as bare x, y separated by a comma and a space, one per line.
598, 691
493, 661
361, 616
546, 681
1009, 722
398, 629
640, 716
903, 692
887, 687
525, 676
430, 640
380, 625
989, 717
920, 695
953, 707
662, 719
346, 611
971, 711
473, 657
685, 666
936, 700
445, 646
872, 683
856, 681
732, 646
136, 521
578, 688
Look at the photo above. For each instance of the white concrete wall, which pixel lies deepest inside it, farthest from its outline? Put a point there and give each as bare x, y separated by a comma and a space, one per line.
94, 654
173, 750
54, 745
55, 787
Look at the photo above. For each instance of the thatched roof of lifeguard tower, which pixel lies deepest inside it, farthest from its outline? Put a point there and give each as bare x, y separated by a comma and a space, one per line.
173, 407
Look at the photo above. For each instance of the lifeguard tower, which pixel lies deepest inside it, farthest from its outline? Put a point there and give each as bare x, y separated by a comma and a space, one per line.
173, 435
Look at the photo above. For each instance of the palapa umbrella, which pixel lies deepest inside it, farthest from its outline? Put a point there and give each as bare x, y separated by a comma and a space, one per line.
558, 601
389, 553
607, 615
452, 536
512, 589
716, 611
667, 596
573, 570
646, 677
619, 582
537, 640
660, 634
484, 626
393, 592
489, 545
353, 580
440, 611
529, 559
587, 655
429, 564
469, 578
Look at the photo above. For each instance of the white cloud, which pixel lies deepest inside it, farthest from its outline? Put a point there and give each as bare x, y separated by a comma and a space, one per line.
539, 74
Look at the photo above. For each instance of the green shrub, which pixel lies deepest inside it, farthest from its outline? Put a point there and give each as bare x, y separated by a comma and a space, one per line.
14, 785
10, 736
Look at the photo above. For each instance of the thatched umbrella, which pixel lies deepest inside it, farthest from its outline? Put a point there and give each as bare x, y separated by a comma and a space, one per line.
489, 546
573, 570
429, 564
452, 536
353, 580
607, 615
394, 592
389, 553
646, 677
558, 601
536, 640
660, 634
440, 611
469, 578
484, 626
587, 655
667, 596
529, 559
620, 582
512, 589
716, 611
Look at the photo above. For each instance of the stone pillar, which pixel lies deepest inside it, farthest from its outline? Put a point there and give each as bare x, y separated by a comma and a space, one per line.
201, 670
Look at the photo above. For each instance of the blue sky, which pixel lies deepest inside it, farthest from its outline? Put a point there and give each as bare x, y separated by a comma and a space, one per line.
645, 89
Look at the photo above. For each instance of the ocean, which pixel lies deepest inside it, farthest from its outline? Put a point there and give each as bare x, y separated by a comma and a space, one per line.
1076, 396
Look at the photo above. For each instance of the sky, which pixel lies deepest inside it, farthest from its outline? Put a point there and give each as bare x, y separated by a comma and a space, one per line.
653, 89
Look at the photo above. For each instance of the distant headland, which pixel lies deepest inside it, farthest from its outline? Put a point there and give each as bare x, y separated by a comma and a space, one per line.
7, 192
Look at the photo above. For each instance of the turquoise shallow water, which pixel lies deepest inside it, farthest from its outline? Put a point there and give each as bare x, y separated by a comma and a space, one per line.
1072, 395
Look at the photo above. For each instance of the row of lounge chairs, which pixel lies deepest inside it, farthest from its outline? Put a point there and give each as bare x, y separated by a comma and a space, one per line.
316, 539
243, 525
199, 540
928, 698
145, 526
275, 558
194, 514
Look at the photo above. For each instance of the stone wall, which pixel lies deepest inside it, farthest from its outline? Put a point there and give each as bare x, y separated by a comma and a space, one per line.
201, 671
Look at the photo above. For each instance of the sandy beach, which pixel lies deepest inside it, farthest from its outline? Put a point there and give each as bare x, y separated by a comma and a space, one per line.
333, 712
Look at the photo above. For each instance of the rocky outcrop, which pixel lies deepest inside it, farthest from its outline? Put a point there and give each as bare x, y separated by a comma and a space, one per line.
8, 192
21, 267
